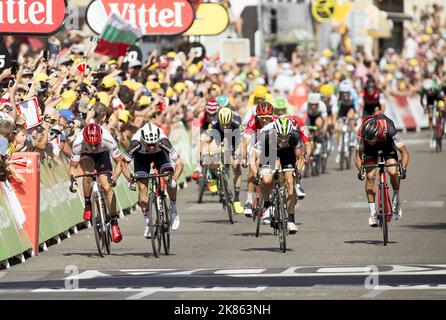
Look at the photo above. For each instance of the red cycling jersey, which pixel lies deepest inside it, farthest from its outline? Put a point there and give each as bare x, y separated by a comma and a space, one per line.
300, 127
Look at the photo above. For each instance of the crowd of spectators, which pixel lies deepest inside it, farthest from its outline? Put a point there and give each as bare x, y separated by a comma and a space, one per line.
173, 87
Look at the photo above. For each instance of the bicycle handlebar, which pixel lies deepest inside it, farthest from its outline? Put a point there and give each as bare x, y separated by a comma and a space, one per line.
137, 177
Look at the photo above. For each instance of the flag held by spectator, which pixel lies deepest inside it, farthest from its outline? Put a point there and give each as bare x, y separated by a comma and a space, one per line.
118, 35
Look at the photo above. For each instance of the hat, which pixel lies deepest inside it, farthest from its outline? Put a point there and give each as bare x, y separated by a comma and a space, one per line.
144, 101
135, 64
327, 53
179, 87
123, 115
68, 98
67, 114
42, 76
108, 82
104, 98
112, 62
171, 55
152, 85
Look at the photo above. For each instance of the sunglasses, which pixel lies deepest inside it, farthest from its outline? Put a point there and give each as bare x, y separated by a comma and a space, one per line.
264, 117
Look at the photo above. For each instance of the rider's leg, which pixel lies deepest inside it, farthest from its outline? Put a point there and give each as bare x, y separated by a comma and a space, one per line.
237, 180
110, 197
87, 166
370, 189
290, 196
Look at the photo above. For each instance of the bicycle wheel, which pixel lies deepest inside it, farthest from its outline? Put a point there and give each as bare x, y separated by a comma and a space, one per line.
342, 152
349, 158
439, 134
258, 213
166, 227
202, 183
228, 198
383, 215
155, 226
96, 224
105, 233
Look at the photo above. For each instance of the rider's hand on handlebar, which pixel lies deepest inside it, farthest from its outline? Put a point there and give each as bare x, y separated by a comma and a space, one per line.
244, 163
361, 175
402, 173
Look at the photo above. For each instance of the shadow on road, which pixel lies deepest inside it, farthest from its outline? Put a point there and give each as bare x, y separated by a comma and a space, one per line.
251, 234
435, 226
217, 221
373, 242
129, 254
275, 249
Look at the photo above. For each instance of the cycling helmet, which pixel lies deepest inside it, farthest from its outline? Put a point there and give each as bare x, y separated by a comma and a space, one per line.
345, 86
212, 106
225, 116
150, 134
283, 127
326, 90
260, 92
314, 98
223, 101
371, 129
92, 134
264, 109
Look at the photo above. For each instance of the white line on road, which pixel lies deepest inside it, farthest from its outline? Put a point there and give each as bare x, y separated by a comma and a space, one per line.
89, 274
240, 271
346, 269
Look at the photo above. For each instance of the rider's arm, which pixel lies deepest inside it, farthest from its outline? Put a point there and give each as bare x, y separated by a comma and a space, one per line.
125, 169
358, 159
133, 148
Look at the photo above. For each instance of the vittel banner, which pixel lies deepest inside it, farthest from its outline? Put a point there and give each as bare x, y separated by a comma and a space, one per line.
152, 17
39, 17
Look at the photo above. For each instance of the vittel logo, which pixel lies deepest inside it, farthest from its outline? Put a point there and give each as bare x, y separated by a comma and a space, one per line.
153, 17
41, 17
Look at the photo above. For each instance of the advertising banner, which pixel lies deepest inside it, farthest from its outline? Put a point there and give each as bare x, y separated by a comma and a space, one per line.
156, 17
27, 164
32, 17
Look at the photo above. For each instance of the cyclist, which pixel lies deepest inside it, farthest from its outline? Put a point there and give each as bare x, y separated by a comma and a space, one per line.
91, 150
227, 127
348, 103
377, 133
264, 115
282, 136
330, 101
149, 144
372, 99
315, 111
430, 95
208, 116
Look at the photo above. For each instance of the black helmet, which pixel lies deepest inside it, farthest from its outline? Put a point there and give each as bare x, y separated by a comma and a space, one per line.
371, 129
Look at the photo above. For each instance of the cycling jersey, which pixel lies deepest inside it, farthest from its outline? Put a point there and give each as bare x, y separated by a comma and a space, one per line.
206, 119
234, 132
285, 152
108, 144
314, 111
371, 102
431, 97
331, 104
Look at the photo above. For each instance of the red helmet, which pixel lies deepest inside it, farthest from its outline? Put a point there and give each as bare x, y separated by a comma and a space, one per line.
212, 106
92, 134
264, 109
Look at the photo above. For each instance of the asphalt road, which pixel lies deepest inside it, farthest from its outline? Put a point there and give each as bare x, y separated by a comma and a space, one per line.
334, 255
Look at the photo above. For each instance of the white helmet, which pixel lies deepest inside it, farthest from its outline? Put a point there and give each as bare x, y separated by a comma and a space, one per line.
283, 126
314, 98
345, 86
150, 134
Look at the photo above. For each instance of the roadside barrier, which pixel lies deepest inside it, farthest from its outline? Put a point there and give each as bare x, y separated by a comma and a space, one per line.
58, 212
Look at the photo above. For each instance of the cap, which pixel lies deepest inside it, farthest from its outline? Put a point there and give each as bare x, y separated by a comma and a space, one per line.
68, 98
135, 64
67, 114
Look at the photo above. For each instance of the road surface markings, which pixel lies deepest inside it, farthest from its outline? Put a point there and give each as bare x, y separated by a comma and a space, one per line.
240, 271
406, 205
89, 274
343, 270
140, 272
